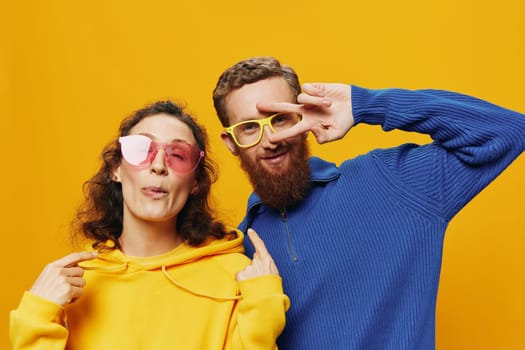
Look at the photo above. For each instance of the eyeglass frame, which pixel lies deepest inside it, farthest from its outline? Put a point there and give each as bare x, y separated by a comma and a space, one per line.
262, 123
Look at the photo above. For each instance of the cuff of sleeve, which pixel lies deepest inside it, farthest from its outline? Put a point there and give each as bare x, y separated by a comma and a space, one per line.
38, 307
262, 287
366, 106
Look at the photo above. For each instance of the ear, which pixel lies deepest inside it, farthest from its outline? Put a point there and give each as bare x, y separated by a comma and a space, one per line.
195, 188
115, 176
226, 138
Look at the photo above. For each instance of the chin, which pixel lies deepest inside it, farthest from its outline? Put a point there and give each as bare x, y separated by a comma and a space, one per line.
275, 170
155, 216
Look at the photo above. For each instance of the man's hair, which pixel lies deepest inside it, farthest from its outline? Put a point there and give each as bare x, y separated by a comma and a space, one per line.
99, 218
250, 71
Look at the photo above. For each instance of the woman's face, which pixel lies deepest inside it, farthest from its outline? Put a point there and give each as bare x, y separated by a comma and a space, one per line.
155, 192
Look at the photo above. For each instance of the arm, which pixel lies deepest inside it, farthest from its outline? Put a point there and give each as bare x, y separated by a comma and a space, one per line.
477, 132
259, 317
474, 141
456, 121
38, 322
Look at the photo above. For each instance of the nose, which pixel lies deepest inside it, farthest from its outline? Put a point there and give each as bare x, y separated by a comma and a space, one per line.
158, 164
265, 141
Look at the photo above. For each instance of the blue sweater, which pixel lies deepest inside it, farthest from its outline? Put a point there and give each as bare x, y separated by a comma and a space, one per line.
360, 257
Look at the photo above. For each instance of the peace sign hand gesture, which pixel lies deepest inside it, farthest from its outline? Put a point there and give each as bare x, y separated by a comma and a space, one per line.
326, 111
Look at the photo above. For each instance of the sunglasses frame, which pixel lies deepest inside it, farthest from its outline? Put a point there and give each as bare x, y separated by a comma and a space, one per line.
148, 160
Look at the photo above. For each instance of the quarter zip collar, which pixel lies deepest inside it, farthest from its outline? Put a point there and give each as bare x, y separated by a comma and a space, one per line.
321, 172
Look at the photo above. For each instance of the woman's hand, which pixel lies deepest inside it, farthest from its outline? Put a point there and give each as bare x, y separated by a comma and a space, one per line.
61, 281
262, 263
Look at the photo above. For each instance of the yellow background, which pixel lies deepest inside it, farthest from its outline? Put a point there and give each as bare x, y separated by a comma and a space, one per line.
70, 71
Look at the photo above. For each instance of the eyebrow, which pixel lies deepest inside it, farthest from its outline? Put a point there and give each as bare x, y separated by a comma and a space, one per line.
266, 115
156, 140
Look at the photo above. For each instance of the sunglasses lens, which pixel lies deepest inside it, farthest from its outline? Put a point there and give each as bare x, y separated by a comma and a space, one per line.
135, 148
182, 157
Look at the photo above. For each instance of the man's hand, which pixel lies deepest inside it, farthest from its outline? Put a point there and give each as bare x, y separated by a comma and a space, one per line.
262, 263
326, 111
61, 281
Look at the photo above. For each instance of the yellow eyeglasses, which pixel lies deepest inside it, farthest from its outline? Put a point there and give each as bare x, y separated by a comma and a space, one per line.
248, 133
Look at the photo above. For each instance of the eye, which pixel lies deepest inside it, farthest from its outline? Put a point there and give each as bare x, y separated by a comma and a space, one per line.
179, 150
177, 153
248, 128
280, 118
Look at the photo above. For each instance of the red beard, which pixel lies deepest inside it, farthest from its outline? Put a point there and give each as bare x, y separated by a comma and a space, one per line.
283, 186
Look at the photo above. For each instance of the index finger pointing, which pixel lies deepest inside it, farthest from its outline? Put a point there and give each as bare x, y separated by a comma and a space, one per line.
74, 258
260, 247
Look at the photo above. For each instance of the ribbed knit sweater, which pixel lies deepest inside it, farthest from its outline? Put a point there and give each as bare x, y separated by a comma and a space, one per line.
360, 257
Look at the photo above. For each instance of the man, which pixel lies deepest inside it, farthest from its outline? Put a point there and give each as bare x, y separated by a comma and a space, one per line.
359, 246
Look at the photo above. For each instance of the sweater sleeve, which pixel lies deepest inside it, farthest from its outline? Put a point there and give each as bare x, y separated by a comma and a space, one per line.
37, 324
259, 317
473, 141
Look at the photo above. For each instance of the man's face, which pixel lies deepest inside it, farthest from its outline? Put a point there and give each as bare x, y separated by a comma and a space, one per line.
278, 171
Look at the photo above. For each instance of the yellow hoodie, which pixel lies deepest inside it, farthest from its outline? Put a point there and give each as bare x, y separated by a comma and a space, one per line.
185, 299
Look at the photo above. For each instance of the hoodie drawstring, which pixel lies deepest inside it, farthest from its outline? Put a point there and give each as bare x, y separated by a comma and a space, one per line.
199, 294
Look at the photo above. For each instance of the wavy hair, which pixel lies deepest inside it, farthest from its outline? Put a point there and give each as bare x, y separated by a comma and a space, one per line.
99, 217
250, 71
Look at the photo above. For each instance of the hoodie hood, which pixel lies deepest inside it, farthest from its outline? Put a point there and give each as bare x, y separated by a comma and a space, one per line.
115, 262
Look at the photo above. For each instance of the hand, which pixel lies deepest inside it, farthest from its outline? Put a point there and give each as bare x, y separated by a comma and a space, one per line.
262, 263
61, 281
326, 111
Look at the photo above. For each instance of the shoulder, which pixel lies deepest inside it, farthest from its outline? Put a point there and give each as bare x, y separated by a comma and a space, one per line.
231, 262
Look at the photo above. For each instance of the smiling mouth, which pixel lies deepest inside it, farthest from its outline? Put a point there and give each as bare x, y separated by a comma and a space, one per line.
274, 158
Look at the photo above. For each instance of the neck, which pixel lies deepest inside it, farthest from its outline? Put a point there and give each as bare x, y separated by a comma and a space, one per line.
146, 238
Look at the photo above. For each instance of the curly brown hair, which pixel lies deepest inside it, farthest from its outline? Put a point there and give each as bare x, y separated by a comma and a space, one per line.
250, 71
99, 217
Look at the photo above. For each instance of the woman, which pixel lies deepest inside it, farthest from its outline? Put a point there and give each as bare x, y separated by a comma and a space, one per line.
162, 272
